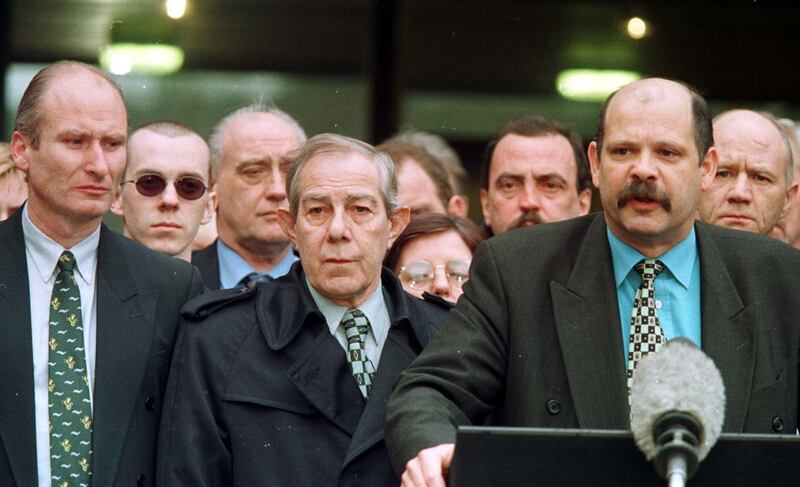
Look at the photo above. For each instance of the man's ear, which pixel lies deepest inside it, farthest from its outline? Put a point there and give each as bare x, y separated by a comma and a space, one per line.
594, 163
709, 168
116, 204
398, 221
211, 207
484, 195
791, 196
20, 146
287, 223
585, 201
458, 206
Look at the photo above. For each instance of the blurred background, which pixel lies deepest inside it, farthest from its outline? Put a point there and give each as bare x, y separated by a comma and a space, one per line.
367, 68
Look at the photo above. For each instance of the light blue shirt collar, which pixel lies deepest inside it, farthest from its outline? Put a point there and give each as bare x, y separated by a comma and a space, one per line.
374, 308
679, 260
233, 267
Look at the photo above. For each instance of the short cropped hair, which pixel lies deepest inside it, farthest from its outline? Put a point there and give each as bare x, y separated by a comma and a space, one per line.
429, 224
437, 146
701, 121
29, 116
535, 126
339, 143
168, 128
401, 152
218, 132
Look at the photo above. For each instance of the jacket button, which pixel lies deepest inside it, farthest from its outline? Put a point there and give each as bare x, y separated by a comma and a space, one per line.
140, 480
777, 424
150, 404
553, 406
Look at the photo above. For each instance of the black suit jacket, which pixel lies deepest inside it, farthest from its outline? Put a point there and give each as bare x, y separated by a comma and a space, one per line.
536, 337
260, 392
139, 295
207, 261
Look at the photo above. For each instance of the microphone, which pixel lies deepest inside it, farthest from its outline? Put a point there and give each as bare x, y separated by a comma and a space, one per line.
677, 408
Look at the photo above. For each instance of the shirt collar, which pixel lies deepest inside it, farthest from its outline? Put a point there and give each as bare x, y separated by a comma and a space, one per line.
333, 313
45, 251
679, 260
233, 267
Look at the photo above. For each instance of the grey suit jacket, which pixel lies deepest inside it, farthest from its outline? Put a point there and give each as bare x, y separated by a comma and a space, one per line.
536, 338
139, 295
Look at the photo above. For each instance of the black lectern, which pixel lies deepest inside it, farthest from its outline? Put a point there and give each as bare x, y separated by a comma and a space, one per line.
487, 456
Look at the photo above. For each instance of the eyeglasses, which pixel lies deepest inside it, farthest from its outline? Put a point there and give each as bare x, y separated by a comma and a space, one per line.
420, 274
187, 187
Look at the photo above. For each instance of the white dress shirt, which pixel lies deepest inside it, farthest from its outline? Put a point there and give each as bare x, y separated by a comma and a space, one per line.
42, 253
374, 308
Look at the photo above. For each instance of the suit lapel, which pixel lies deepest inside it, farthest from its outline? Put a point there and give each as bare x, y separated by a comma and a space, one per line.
395, 357
588, 325
17, 418
728, 330
125, 320
323, 376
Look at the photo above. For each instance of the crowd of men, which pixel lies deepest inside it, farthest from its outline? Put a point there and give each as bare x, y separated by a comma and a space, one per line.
280, 350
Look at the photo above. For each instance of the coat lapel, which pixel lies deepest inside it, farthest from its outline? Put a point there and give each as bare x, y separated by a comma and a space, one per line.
323, 376
588, 324
728, 330
17, 419
125, 321
395, 357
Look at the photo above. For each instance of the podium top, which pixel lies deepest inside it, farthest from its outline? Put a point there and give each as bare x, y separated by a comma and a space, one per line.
576, 457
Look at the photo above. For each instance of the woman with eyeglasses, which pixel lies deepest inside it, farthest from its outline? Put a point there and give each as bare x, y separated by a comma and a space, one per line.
433, 254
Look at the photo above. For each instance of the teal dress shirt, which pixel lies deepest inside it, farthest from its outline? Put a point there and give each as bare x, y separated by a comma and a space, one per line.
232, 267
677, 288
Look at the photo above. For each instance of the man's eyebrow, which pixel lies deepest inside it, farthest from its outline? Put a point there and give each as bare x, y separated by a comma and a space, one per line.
550, 175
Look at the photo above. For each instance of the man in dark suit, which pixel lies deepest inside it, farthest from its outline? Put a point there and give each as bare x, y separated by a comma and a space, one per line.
248, 165
548, 333
89, 317
286, 384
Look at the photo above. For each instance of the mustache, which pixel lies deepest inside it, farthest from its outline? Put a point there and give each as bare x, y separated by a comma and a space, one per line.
643, 190
525, 218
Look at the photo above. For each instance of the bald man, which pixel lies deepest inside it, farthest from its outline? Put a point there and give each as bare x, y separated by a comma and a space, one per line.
543, 334
753, 186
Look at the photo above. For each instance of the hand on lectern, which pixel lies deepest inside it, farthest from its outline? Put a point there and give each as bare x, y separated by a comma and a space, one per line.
429, 467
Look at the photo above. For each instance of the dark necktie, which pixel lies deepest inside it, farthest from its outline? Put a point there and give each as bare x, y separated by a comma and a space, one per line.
68, 384
251, 280
646, 334
356, 327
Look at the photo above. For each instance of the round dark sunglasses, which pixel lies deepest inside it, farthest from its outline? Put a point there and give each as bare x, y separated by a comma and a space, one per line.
187, 187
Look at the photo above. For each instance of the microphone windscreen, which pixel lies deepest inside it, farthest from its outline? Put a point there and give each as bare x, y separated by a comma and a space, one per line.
680, 377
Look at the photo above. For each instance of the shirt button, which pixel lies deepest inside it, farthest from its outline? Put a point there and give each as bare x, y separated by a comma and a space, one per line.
658, 304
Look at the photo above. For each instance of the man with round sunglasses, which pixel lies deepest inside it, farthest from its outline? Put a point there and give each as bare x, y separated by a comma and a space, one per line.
164, 194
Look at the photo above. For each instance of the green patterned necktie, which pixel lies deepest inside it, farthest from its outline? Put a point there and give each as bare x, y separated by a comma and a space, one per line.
356, 327
68, 383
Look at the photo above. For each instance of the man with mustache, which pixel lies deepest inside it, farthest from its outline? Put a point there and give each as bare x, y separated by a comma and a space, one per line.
286, 384
554, 319
248, 166
753, 187
535, 171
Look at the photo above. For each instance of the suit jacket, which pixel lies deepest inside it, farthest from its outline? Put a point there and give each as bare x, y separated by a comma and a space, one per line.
139, 295
207, 261
538, 338
260, 392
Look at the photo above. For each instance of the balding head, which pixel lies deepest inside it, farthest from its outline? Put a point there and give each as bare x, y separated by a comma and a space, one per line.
658, 90
753, 185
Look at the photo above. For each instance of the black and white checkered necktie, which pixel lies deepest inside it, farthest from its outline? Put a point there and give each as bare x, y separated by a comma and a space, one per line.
356, 327
646, 334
